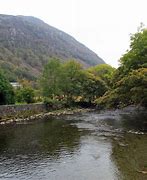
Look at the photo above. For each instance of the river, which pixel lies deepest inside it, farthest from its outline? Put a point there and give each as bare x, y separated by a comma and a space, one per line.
110, 145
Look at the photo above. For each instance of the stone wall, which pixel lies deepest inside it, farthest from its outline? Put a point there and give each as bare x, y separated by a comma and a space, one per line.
21, 110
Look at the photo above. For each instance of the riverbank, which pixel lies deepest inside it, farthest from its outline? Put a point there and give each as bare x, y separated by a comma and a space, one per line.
18, 113
67, 111
21, 110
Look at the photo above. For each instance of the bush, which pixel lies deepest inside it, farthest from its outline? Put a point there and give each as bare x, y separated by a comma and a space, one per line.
25, 94
54, 103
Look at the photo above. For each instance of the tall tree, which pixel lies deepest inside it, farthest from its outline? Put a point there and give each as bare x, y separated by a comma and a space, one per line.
136, 57
51, 79
71, 79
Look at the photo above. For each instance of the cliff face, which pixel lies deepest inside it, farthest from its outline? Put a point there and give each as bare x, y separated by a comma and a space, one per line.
27, 43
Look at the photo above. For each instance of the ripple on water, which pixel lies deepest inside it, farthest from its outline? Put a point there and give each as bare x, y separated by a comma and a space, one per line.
84, 147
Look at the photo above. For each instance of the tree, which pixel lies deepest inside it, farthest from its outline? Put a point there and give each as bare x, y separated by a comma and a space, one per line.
51, 79
6, 91
104, 71
136, 57
61, 79
71, 79
130, 79
93, 87
25, 94
135, 84
131, 89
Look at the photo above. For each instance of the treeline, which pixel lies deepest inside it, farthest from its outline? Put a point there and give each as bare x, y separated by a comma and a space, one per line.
69, 84
64, 84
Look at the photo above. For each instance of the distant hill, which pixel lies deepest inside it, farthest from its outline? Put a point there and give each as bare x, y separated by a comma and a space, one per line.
27, 43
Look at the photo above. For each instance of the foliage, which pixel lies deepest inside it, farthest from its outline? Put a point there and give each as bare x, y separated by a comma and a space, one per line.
25, 94
54, 103
51, 79
93, 87
6, 91
135, 84
104, 71
109, 100
131, 89
130, 79
101, 84
61, 79
69, 81
136, 57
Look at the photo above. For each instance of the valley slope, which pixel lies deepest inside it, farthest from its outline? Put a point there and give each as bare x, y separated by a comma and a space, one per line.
27, 43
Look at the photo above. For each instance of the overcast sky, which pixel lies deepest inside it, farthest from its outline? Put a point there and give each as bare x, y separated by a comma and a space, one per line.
102, 25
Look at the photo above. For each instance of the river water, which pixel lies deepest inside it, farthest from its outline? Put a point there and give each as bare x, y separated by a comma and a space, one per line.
109, 145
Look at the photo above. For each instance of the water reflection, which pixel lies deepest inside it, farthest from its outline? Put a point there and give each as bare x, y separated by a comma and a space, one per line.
46, 137
130, 155
27, 146
96, 145
130, 150
135, 122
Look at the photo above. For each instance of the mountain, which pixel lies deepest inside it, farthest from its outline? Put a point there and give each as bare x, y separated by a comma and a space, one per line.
27, 43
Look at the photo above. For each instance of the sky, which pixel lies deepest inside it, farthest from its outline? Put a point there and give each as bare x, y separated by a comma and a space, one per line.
104, 26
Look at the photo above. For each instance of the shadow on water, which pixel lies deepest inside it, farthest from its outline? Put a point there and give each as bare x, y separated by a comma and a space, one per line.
135, 121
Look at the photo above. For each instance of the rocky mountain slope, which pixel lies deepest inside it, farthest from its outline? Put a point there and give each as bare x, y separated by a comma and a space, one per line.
27, 43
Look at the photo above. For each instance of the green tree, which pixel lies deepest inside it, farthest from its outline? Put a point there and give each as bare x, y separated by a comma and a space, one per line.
51, 79
136, 57
130, 79
131, 89
104, 71
25, 94
71, 79
135, 84
93, 87
6, 91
